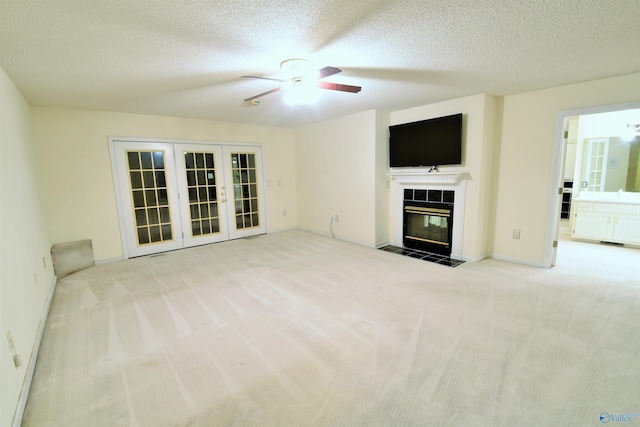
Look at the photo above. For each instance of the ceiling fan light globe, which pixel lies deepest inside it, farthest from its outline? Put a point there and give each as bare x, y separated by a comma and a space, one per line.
309, 96
290, 98
297, 68
301, 95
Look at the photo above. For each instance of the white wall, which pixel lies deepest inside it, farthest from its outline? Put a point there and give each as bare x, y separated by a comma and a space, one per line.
336, 175
478, 148
382, 178
527, 148
26, 274
73, 156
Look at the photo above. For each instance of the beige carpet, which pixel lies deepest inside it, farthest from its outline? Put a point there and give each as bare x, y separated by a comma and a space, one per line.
296, 329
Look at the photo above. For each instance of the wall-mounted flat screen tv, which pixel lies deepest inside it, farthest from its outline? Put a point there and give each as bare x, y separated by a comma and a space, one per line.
432, 142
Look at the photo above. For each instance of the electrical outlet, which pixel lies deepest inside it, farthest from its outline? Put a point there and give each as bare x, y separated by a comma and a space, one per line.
336, 218
284, 212
17, 360
516, 234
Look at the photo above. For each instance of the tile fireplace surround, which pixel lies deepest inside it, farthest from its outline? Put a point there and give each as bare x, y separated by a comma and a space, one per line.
423, 180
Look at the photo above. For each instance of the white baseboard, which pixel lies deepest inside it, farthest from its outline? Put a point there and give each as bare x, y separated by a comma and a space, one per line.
518, 260
107, 261
278, 230
26, 385
337, 237
472, 258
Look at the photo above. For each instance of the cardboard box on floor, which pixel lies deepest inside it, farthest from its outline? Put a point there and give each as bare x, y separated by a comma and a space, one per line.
70, 257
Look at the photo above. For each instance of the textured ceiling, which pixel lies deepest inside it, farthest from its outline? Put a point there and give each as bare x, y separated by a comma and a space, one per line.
185, 58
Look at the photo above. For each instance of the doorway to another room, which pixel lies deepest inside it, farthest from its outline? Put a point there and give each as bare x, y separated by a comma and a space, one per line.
599, 176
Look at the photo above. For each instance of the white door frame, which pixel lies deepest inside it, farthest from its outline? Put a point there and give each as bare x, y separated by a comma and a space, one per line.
122, 209
555, 198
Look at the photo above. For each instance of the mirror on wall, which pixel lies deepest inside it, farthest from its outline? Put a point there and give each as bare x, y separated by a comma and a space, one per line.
603, 152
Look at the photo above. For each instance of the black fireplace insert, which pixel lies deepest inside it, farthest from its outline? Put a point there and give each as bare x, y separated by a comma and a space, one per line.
428, 220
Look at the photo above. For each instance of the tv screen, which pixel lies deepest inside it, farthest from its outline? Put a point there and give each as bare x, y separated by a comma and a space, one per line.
432, 142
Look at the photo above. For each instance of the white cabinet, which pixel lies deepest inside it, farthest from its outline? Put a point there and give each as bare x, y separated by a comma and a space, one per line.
627, 228
589, 225
607, 222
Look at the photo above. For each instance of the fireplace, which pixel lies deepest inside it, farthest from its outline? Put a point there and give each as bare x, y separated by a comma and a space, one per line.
428, 220
421, 186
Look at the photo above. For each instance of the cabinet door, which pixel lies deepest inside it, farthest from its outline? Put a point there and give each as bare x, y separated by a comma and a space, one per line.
627, 229
590, 225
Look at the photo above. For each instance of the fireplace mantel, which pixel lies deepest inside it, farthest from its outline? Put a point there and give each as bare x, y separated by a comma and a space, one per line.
421, 178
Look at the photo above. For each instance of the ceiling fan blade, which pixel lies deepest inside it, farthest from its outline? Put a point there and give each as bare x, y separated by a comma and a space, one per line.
328, 71
338, 86
262, 94
262, 78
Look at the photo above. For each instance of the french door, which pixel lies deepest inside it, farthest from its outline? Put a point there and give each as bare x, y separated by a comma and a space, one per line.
596, 163
176, 195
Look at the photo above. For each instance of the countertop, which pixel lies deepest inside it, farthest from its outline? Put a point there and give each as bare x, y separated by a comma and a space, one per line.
623, 198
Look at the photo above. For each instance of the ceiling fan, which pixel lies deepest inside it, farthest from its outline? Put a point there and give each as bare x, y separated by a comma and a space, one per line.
301, 80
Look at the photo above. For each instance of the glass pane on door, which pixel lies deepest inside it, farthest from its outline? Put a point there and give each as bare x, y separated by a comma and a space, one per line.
245, 190
149, 196
202, 189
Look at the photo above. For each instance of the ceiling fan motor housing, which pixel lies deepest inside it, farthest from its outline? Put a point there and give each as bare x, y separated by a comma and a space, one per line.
300, 77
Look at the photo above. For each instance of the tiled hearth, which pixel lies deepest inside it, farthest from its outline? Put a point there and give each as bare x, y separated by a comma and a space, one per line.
425, 256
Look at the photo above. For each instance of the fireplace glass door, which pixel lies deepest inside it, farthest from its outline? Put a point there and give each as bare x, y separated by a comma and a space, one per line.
428, 228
